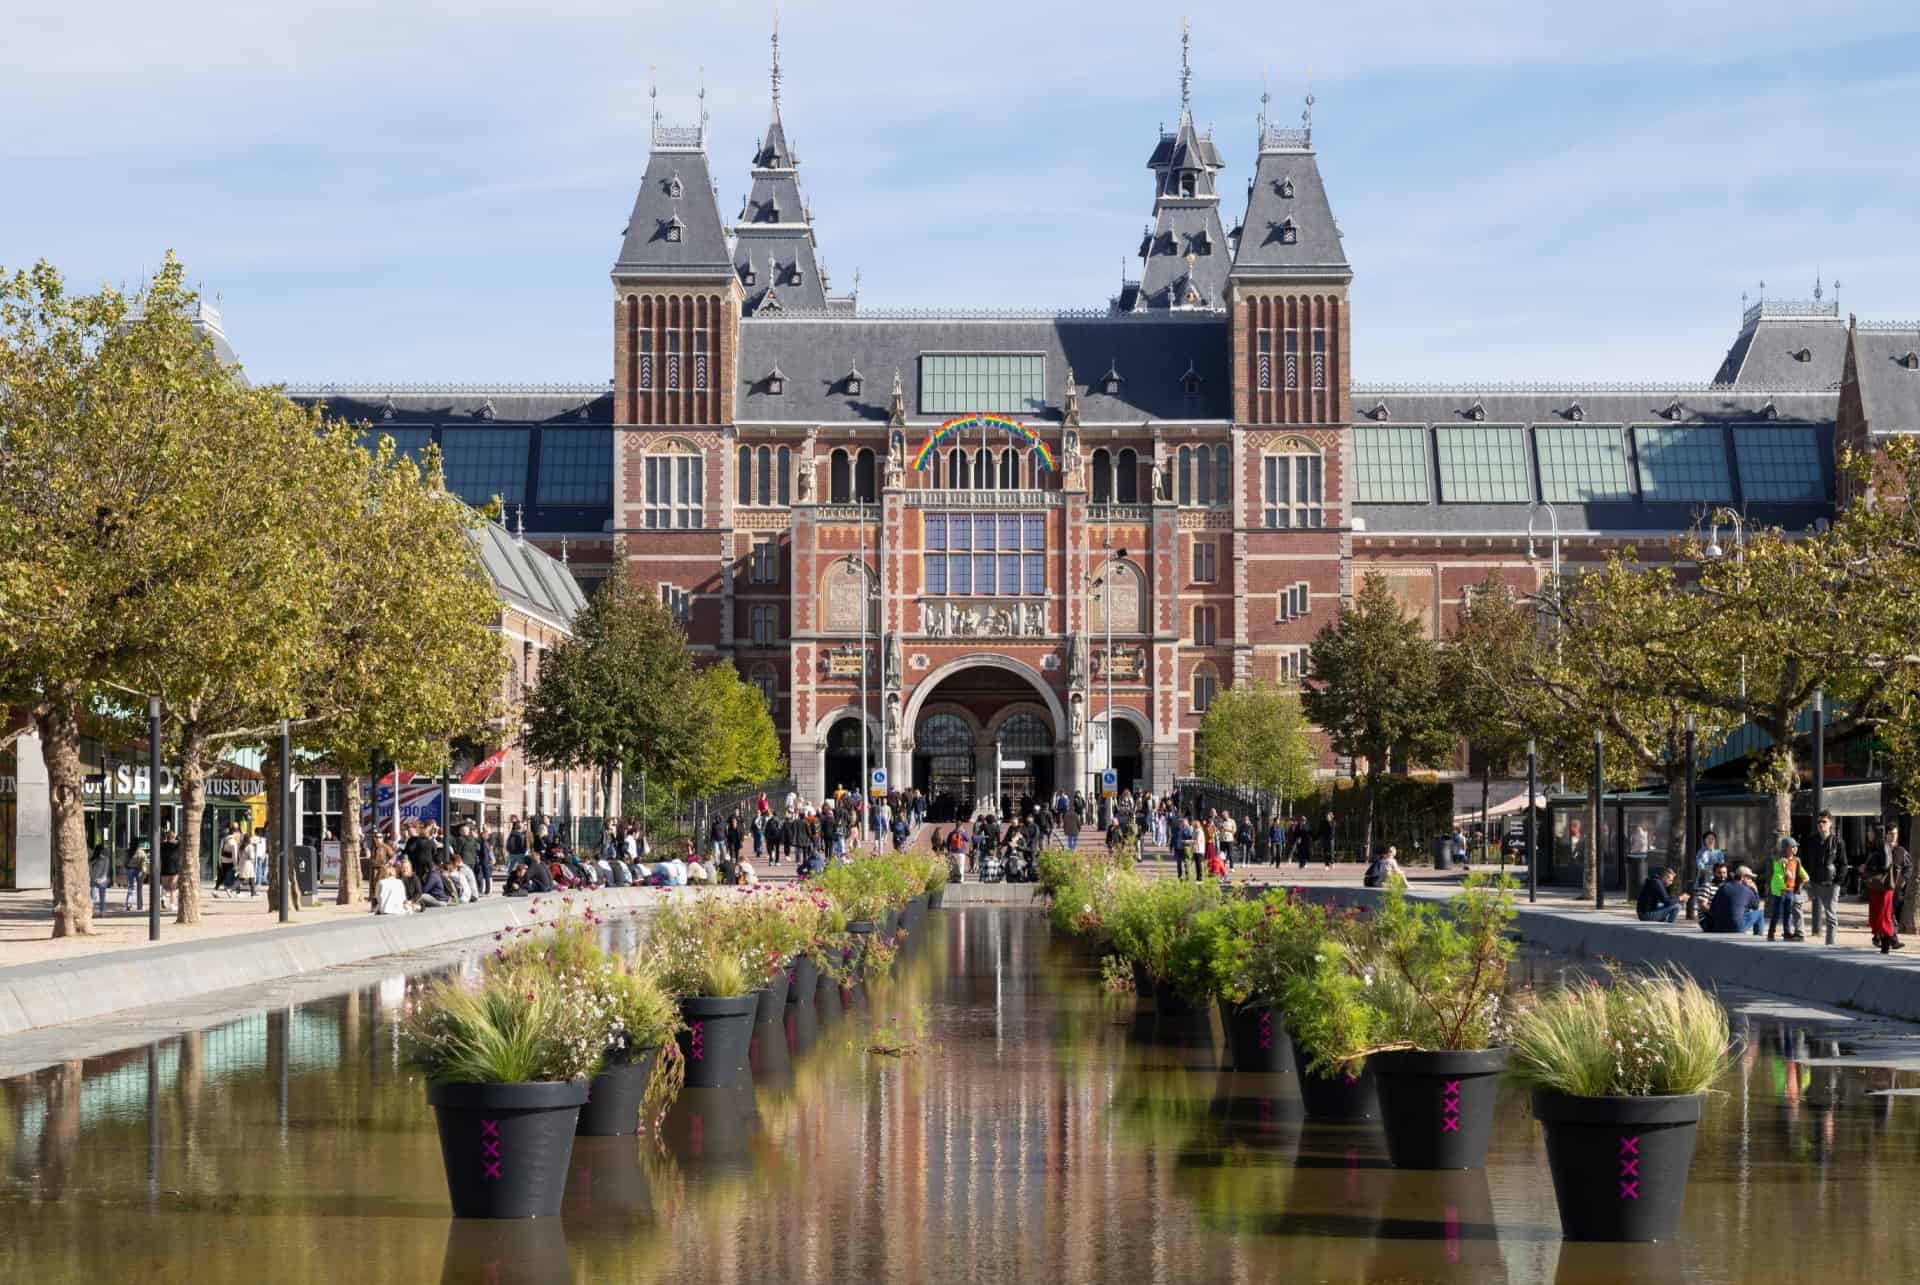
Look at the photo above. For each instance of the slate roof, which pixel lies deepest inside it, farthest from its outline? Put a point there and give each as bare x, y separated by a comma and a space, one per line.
1288, 164
1182, 225
1889, 389
648, 247
463, 405
526, 577
1786, 344
1151, 352
1597, 406
773, 241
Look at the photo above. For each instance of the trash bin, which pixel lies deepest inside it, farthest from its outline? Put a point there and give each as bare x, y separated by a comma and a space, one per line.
1443, 852
305, 868
1636, 873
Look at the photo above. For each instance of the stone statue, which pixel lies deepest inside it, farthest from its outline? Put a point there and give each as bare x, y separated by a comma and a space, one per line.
1079, 720
1035, 614
897, 460
806, 476
893, 715
1159, 480
892, 672
966, 623
1076, 661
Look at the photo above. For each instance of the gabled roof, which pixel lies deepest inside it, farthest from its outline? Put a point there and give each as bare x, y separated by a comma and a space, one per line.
1287, 188
774, 241
1889, 388
1151, 352
647, 249
526, 577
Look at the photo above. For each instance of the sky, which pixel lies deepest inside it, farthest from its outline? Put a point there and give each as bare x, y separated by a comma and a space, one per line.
424, 191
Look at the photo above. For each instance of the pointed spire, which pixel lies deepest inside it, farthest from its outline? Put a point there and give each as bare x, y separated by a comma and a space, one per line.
563, 550
776, 64
519, 524
1186, 70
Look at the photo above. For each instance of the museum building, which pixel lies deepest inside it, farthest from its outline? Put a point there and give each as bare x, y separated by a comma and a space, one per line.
994, 553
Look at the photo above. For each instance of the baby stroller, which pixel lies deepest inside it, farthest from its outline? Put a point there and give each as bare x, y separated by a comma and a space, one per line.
991, 869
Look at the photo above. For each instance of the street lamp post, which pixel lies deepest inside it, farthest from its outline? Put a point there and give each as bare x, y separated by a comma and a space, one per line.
285, 855
1553, 520
153, 824
1533, 847
866, 608
1104, 583
1599, 811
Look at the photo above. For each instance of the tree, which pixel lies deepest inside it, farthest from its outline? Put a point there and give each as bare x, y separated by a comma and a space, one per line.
617, 694
1256, 737
1374, 688
124, 437
738, 744
401, 673
1495, 641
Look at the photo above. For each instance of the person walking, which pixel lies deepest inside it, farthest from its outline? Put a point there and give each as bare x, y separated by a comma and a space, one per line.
257, 849
224, 876
1783, 890
137, 871
483, 867
1884, 860
516, 843
1070, 827
243, 871
169, 871
100, 871
1180, 833
1326, 839
1826, 863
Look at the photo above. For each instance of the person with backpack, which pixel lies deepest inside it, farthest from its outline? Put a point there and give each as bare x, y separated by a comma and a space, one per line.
1784, 877
516, 843
1826, 871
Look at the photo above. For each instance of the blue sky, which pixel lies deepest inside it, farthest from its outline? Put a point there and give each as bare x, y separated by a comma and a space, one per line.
392, 190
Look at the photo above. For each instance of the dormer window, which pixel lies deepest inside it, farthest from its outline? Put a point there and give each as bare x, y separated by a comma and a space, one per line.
1186, 184
1289, 232
674, 227
674, 188
388, 410
773, 212
794, 276
1198, 244
484, 410
1911, 361
747, 277
1674, 410
854, 382
1803, 354
1769, 411
1476, 412
1285, 186
776, 383
1380, 411
1190, 382
1576, 412
1110, 382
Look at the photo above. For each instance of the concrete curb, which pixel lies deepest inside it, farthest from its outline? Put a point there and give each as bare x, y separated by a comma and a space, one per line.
1837, 976
72, 990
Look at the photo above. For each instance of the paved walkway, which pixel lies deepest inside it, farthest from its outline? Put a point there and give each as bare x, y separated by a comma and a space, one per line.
26, 919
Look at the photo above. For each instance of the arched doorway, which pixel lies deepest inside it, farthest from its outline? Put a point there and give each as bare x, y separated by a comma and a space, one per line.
1129, 759
943, 766
843, 756
1025, 746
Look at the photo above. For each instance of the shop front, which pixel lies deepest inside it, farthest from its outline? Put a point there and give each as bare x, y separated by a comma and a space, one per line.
118, 804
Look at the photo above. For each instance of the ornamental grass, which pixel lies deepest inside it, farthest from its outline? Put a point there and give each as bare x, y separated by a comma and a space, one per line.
510, 1028
1642, 1035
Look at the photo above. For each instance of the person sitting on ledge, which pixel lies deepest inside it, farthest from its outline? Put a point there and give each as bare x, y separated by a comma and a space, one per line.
1658, 902
1736, 906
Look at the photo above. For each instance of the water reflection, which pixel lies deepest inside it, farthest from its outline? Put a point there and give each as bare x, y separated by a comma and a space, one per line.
1043, 1131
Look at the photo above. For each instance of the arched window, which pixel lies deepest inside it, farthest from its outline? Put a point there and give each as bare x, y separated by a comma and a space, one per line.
1203, 484
1102, 477
745, 482
676, 487
766, 475
840, 479
983, 469
783, 474
1024, 735
863, 489
944, 734
1222, 476
1126, 587
1185, 472
1009, 469
1126, 478
1206, 685
959, 477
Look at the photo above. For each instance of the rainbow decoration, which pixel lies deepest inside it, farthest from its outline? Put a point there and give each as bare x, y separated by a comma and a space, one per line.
952, 426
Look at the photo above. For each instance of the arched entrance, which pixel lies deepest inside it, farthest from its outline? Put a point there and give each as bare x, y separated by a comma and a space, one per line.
986, 734
843, 756
1129, 758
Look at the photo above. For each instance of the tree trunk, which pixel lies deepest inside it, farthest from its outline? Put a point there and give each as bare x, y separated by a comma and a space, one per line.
1783, 786
1590, 848
349, 836
1679, 809
59, 722
1366, 829
193, 803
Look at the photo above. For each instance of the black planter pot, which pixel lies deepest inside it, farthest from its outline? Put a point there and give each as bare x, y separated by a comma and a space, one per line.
613, 1096
506, 1146
1437, 1107
889, 920
608, 1199
803, 1028
715, 1038
826, 999
802, 976
767, 1055
527, 1251
1169, 1002
1336, 1097
1258, 1038
1619, 1164
937, 897
773, 999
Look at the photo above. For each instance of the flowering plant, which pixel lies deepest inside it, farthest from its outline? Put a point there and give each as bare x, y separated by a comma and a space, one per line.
697, 947
511, 1027
1636, 1036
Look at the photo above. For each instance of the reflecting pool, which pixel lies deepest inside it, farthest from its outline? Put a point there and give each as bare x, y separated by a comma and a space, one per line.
1041, 1130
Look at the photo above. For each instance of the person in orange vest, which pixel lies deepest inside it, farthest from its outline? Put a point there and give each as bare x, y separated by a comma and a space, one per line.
1784, 877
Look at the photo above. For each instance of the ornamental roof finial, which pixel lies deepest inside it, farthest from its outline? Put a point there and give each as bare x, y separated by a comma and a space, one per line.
1186, 70
776, 61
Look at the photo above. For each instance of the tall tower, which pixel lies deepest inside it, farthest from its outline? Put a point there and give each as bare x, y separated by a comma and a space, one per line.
773, 243
675, 326
1184, 252
1288, 290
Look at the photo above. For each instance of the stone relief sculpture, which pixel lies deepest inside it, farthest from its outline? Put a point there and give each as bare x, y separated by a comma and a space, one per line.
988, 620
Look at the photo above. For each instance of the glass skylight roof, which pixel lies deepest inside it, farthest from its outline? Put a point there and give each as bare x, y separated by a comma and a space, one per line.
1390, 465
1483, 465
1781, 464
1683, 464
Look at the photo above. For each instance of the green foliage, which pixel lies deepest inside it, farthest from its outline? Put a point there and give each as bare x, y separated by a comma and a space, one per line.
1375, 687
619, 693
1148, 919
1329, 1012
1635, 1036
1212, 957
509, 1028
643, 1012
867, 887
697, 947
737, 745
1439, 969
1257, 738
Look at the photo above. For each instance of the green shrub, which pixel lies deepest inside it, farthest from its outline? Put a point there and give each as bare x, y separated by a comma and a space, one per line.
1149, 918
512, 1027
697, 947
1440, 968
1212, 957
1637, 1036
